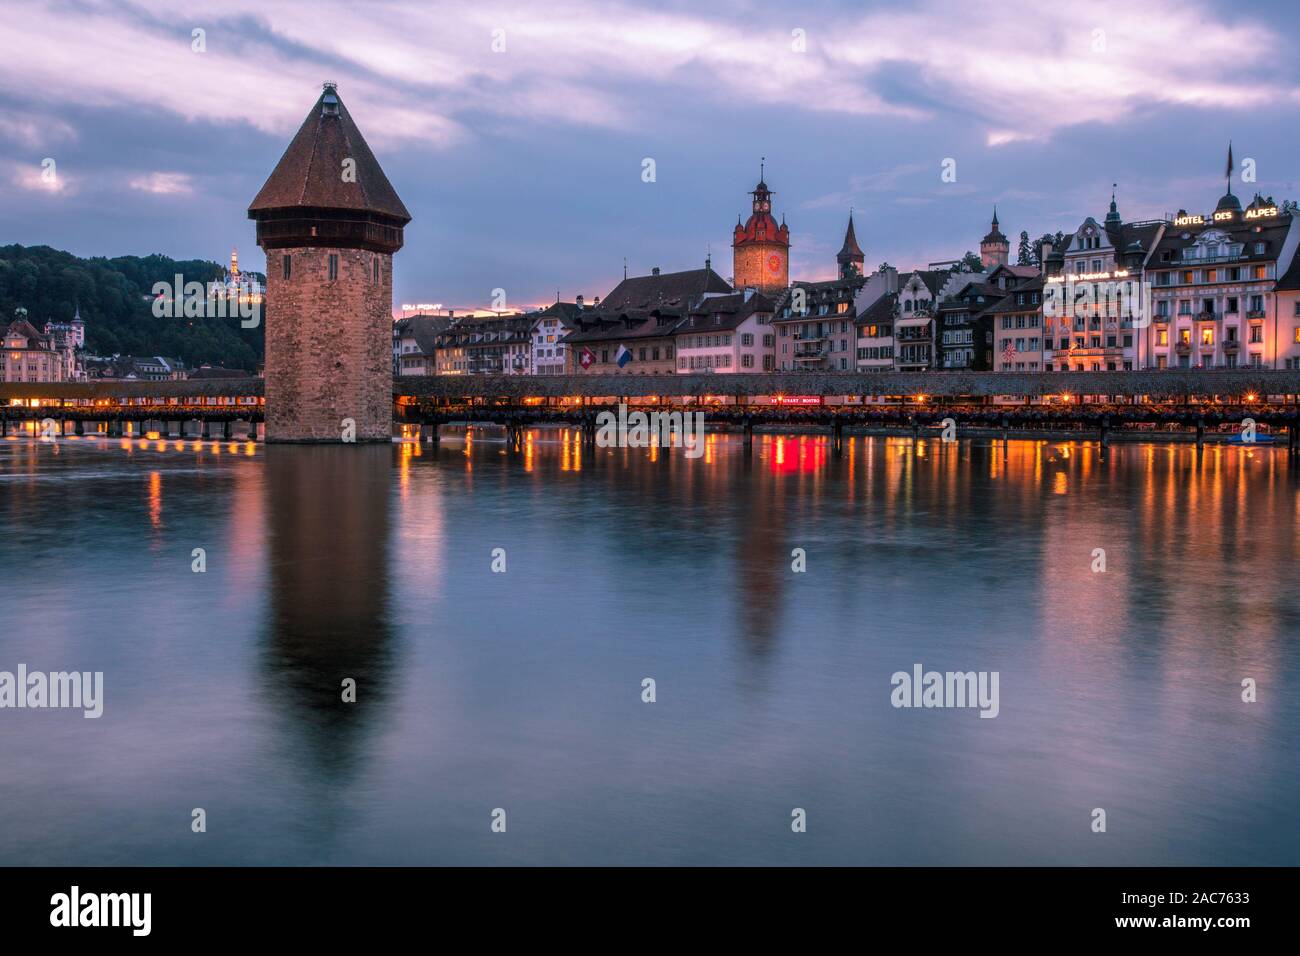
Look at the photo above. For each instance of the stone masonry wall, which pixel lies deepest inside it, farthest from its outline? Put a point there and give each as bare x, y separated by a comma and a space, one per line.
328, 346
750, 266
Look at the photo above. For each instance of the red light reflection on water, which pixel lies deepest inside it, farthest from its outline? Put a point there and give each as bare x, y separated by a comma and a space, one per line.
800, 455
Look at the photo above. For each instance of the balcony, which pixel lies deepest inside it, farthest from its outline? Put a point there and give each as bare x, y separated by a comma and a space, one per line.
1232, 345
1255, 313
1183, 348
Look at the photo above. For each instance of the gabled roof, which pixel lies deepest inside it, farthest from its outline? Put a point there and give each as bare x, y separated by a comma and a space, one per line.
26, 330
1009, 303
1290, 280
724, 312
668, 290
310, 173
882, 310
933, 279
965, 297
1272, 233
425, 330
628, 325
567, 312
1142, 233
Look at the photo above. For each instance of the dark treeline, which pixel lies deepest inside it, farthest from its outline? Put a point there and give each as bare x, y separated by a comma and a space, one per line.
51, 284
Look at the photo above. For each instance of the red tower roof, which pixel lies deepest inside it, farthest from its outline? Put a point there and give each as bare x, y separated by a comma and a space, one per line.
761, 226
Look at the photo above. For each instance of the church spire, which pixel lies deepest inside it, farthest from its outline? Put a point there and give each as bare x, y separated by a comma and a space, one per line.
1113, 217
850, 257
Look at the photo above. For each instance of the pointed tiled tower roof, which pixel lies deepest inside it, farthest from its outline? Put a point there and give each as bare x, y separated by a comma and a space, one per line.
310, 173
995, 233
850, 249
328, 188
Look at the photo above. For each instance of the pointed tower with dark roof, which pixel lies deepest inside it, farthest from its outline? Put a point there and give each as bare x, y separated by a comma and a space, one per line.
995, 248
329, 221
850, 257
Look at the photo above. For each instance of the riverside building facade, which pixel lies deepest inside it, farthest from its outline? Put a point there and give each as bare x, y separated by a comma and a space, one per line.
1214, 282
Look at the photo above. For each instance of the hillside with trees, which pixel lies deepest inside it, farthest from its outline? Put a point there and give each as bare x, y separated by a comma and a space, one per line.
115, 299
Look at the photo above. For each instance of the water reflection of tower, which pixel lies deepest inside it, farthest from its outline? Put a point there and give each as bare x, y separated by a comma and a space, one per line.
328, 515
763, 547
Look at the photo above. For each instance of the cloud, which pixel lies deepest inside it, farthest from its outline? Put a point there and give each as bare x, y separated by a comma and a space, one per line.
34, 130
1001, 137
162, 184
1065, 65
43, 178
421, 72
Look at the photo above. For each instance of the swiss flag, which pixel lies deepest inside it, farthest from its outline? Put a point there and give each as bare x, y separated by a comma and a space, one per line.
586, 358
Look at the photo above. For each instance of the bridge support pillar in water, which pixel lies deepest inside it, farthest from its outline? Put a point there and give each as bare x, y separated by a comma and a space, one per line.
1200, 434
837, 439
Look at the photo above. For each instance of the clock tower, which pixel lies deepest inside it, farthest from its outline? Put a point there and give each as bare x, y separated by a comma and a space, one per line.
761, 248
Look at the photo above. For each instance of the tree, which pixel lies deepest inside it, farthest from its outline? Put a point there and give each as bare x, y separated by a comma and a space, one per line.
114, 297
1025, 254
969, 263
1056, 239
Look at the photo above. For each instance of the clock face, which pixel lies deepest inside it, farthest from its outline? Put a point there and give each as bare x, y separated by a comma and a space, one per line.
774, 263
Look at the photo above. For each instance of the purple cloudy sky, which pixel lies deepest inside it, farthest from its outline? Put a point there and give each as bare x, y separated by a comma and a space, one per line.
522, 168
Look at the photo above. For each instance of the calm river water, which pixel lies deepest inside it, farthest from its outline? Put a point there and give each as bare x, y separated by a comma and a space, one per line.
522, 690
